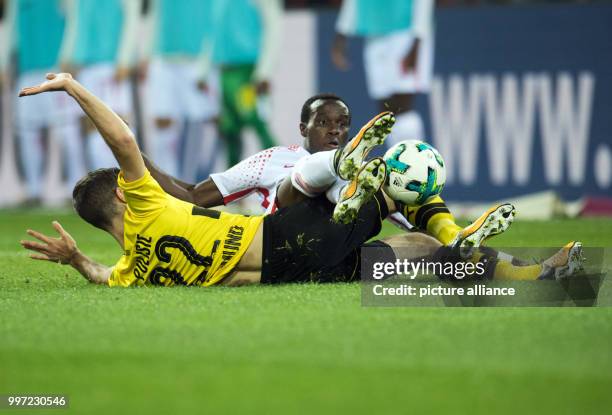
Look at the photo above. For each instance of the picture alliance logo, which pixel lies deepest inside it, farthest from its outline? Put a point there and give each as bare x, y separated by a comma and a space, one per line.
411, 269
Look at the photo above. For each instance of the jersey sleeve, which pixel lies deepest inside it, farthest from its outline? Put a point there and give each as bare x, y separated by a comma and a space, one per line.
119, 277
262, 170
144, 196
122, 275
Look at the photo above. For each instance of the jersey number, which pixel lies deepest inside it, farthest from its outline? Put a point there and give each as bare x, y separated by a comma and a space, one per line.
160, 274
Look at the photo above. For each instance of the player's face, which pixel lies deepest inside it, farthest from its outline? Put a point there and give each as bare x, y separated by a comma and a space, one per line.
328, 126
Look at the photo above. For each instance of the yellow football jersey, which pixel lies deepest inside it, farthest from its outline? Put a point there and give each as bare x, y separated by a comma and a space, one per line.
171, 242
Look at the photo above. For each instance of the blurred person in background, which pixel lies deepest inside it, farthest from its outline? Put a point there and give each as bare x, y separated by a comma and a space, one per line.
245, 45
99, 48
180, 30
33, 33
398, 55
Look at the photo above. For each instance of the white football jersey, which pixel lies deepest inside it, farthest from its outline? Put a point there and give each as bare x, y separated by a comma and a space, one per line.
262, 173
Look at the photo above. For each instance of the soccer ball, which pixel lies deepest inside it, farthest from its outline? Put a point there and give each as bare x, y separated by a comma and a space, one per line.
416, 172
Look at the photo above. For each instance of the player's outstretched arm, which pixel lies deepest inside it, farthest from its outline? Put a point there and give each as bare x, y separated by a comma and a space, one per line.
205, 194
63, 250
113, 129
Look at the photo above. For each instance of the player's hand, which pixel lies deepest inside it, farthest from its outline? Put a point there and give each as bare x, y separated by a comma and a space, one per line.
121, 73
409, 62
54, 82
338, 53
262, 87
61, 250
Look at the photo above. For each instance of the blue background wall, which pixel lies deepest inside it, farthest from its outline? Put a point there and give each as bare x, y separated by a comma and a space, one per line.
541, 43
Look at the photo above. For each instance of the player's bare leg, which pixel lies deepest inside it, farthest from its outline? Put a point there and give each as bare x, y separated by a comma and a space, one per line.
241, 278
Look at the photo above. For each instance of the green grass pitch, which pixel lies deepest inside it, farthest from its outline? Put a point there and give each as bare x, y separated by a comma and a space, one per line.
290, 349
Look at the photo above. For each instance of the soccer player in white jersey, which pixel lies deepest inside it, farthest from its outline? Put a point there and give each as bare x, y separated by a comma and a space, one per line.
100, 43
33, 30
398, 55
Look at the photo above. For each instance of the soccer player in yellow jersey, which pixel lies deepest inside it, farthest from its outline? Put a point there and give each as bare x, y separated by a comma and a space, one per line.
166, 241
171, 241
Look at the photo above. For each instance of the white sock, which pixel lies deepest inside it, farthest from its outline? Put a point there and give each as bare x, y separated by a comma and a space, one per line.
31, 153
165, 145
314, 174
99, 154
408, 126
70, 134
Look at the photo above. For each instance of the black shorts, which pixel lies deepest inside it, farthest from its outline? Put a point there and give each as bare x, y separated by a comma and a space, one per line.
301, 243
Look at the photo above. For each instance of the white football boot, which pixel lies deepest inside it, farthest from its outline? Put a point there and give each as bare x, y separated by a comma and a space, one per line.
564, 263
350, 158
368, 180
493, 222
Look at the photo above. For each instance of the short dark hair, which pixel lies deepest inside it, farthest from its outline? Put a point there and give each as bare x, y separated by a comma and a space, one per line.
307, 110
93, 197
